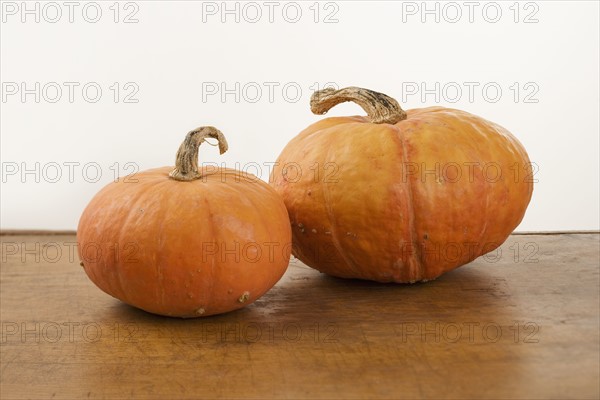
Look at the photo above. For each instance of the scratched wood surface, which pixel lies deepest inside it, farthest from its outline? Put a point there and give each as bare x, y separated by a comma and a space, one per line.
520, 324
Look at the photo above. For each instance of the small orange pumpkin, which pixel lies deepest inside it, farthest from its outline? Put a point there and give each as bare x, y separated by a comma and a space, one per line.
399, 196
186, 242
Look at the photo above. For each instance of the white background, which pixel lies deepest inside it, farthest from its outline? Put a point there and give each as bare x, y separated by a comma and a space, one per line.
178, 53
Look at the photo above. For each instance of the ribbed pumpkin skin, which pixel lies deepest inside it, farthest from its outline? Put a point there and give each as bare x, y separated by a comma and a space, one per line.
371, 214
166, 231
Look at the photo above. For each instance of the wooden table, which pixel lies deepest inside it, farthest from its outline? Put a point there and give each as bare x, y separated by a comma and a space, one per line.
520, 324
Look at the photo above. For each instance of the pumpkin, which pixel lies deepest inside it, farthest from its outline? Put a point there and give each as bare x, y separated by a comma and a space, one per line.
186, 242
399, 196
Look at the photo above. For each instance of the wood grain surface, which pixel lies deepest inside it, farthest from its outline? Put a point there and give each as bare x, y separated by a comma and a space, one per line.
520, 323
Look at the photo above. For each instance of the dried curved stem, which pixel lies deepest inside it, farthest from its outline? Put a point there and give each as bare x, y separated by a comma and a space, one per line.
186, 162
380, 108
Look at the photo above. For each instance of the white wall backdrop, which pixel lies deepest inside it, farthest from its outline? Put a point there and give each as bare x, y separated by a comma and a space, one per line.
94, 89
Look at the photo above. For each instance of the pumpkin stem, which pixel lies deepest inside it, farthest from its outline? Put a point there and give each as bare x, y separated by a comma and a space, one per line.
380, 108
186, 161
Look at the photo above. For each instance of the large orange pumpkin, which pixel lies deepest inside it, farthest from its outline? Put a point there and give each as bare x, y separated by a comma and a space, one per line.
399, 196
186, 242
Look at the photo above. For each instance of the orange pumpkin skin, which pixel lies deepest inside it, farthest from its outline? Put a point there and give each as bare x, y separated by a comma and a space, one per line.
185, 249
377, 209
